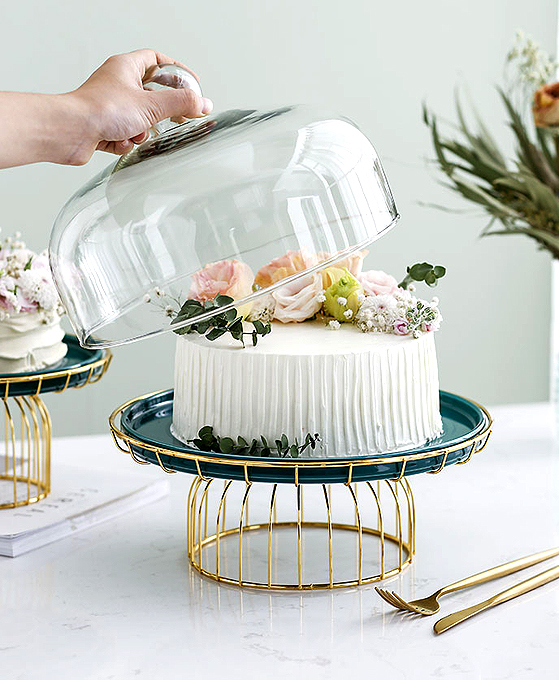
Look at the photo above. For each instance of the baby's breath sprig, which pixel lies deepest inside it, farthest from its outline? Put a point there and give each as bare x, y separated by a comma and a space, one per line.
225, 322
208, 441
534, 67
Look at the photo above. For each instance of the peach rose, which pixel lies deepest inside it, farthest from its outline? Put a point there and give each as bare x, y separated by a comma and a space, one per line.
378, 283
353, 263
545, 107
281, 267
226, 277
299, 300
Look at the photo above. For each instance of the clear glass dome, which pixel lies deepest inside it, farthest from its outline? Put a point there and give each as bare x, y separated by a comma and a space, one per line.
244, 186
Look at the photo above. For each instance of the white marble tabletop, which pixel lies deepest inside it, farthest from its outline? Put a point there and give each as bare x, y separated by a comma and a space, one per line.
119, 601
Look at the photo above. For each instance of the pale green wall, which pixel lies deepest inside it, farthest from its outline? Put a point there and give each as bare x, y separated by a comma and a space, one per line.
372, 60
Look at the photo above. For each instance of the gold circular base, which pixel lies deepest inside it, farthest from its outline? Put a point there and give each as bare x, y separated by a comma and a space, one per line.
287, 551
26, 489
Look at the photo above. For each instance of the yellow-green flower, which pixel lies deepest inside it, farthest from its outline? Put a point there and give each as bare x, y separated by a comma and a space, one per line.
344, 293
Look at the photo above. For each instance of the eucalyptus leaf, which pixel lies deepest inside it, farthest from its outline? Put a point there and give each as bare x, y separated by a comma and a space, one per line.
223, 300
420, 270
215, 333
226, 444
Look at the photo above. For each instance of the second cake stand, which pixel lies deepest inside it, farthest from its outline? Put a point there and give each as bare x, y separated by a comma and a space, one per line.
25, 469
375, 508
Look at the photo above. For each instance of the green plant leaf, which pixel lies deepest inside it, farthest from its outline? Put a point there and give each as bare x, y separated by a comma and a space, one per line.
226, 444
215, 333
420, 270
431, 279
223, 300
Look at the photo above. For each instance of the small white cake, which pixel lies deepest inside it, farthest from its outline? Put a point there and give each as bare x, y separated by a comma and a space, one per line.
361, 392
31, 337
28, 343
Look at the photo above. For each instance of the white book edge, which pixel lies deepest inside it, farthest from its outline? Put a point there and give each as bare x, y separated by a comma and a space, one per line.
13, 545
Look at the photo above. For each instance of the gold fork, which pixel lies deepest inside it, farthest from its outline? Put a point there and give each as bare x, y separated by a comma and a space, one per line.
430, 605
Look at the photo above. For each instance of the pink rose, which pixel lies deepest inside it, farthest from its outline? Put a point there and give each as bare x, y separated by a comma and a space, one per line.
281, 267
226, 277
378, 283
353, 262
401, 327
298, 300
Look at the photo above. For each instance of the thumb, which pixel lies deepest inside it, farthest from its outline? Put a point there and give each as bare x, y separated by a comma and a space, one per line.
175, 103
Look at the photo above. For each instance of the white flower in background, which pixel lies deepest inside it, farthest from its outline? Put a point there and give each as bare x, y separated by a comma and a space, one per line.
26, 284
401, 314
263, 309
334, 325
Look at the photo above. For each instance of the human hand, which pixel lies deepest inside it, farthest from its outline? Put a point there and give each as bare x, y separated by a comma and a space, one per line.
116, 110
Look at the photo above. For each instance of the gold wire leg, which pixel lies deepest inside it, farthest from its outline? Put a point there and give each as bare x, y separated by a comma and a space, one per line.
273, 514
359, 535
398, 522
329, 519
299, 535
221, 519
245, 500
380, 525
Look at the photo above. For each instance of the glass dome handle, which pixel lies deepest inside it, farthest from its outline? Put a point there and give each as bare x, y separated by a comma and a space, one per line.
164, 77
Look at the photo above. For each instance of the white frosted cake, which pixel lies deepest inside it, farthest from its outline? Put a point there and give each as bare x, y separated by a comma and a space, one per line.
31, 337
345, 355
361, 392
28, 343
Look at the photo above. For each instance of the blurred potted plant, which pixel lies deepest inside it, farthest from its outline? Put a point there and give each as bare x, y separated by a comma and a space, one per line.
520, 195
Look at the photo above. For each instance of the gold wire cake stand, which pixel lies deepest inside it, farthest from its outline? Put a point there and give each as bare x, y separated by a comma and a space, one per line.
25, 472
358, 528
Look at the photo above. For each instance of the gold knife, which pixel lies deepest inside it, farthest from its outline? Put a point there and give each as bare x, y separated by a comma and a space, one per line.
525, 587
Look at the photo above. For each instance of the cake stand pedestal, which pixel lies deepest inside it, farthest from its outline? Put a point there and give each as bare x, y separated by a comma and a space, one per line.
25, 468
359, 528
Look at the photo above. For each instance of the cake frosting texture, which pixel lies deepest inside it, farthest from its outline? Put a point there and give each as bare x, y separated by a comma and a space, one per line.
29, 343
361, 392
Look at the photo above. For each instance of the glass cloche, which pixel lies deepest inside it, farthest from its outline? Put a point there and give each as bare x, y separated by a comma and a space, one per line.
241, 187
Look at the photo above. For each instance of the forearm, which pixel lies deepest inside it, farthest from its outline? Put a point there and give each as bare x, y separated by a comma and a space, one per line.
41, 127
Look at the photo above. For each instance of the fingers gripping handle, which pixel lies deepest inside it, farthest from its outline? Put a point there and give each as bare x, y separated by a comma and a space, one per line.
165, 77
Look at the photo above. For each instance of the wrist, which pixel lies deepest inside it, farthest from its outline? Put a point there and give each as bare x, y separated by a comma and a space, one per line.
67, 138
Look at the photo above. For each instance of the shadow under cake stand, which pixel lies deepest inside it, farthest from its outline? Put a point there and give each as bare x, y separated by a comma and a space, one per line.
313, 523
25, 474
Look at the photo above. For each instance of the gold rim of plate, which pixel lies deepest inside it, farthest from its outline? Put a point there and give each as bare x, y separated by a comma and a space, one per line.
120, 437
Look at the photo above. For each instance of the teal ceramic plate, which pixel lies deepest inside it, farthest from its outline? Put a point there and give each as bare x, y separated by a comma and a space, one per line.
147, 421
54, 377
